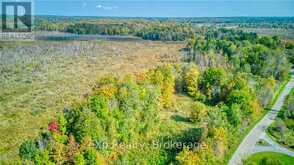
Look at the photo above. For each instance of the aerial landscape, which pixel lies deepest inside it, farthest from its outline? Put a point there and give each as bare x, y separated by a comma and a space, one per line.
114, 82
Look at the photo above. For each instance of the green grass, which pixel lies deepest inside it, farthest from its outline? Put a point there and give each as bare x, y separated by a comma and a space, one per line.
259, 158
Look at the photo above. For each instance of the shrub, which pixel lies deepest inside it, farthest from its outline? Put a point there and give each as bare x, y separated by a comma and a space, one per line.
53, 126
187, 157
43, 158
99, 105
87, 124
199, 112
79, 159
28, 150
233, 115
93, 157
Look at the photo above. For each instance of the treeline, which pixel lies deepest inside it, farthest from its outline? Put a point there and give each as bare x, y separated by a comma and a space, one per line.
165, 29
103, 29
166, 32
149, 30
256, 22
154, 31
268, 25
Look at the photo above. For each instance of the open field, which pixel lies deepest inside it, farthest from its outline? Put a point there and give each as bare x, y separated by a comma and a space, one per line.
283, 33
39, 79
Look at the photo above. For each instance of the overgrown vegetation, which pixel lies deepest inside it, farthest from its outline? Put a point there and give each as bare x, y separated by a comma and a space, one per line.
189, 112
40, 78
123, 112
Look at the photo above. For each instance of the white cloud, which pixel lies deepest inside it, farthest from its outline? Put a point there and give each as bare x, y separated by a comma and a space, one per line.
99, 6
106, 7
84, 4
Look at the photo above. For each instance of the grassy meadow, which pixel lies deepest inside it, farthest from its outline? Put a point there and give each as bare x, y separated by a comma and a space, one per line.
40, 78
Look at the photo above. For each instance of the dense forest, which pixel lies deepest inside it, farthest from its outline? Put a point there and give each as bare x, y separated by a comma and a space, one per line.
165, 29
263, 56
169, 31
228, 76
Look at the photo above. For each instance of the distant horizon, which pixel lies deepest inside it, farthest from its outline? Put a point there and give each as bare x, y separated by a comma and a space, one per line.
157, 16
168, 17
165, 8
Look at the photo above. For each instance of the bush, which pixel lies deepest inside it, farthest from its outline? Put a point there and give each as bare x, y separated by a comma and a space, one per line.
79, 159
199, 112
28, 150
87, 124
93, 157
187, 157
240, 97
233, 115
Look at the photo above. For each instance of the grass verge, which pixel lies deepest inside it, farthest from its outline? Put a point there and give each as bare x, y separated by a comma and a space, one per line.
264, 158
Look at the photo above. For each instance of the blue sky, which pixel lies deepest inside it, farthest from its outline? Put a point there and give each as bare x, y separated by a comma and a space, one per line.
165, 8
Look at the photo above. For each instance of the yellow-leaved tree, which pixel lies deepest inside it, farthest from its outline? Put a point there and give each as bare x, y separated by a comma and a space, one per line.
191, 80
163, 76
